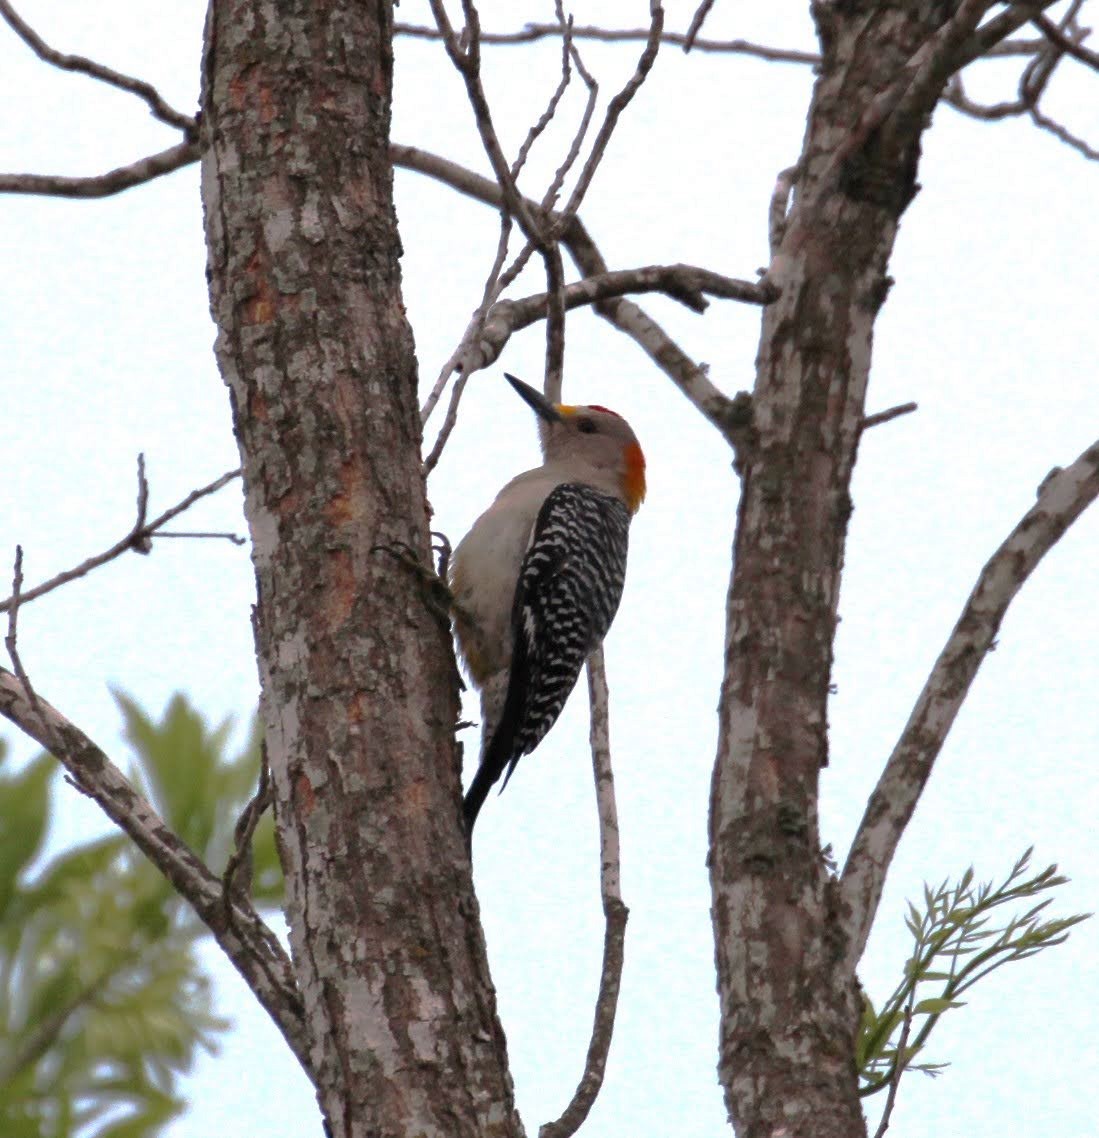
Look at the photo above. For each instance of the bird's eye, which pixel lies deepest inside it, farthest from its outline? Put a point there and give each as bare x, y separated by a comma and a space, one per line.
587, 427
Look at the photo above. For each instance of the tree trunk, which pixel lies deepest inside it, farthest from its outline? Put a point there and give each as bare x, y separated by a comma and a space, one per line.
789, 1005
358, 680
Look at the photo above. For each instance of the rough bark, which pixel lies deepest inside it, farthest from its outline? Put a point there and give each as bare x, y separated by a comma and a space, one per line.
789, 1002
359, 687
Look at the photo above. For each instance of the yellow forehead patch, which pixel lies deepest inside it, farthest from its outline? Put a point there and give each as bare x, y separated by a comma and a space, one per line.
566, 408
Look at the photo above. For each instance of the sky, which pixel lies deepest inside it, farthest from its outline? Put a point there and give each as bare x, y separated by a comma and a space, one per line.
990, 328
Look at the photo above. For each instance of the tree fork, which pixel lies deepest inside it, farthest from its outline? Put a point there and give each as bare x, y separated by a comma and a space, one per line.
359, 687
789, 1004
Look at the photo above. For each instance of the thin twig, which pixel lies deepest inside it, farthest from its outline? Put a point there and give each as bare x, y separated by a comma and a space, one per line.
465, 54
137, 538
469, 356
615, 912
450, 421
235, 538
1032, 84
691, 379
546, 117
549, 198
699, 18
880, 417
533, 32
687, 284
11, 641
466, 61
236, 881
989, 37
555, 324
918, 83
1063, 498
615, 108
103, 185
898, 1068
1041, 119
1059, 36
77, 63
462, 357
955, 95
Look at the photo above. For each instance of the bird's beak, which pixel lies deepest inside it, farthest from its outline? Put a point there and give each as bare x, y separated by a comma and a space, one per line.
535, 399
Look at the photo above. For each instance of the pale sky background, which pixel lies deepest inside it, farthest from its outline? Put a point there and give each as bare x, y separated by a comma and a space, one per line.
991, 327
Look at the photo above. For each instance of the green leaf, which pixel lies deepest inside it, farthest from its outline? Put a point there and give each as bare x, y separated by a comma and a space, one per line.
936, 1007
956, 926
24, 809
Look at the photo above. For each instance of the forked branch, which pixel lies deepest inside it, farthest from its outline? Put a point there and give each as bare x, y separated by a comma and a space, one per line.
103, 185
629, 318
687, 284
157, 104
139, 538
1062, 498
251, 946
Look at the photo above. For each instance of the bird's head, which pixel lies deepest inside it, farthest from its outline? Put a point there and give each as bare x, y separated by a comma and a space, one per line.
589, 437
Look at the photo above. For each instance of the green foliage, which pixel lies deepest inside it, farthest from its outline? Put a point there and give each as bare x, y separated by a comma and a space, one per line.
954, 948
200, 792
103, 1002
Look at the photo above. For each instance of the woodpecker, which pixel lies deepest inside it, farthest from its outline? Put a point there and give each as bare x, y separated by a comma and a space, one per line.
538, 578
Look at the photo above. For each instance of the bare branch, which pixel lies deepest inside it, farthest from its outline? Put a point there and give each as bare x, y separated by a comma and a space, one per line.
691, 379
1041, 119
615, 912
467, 63
103, 185
699, 18
1032, 84
533, 32
549, 198
237, 878
989, 36
546, 117
450, 421
1063, 497
246, 940
615, 108
12, 638
924, 75
954, 95
880, 417
684, 283
554, 381
1070, 45
235, 538
466, 357
898, 1069
138, 539
77, 63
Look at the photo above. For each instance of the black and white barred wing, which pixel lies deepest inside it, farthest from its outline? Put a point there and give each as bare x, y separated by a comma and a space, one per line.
569, 587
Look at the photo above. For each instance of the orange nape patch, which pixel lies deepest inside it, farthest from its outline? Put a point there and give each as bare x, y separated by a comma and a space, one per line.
633, 484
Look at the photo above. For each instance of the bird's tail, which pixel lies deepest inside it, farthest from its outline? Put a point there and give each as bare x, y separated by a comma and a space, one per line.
493, 697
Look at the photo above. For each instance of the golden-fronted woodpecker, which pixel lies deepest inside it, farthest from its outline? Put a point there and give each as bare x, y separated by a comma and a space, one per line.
538, 578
